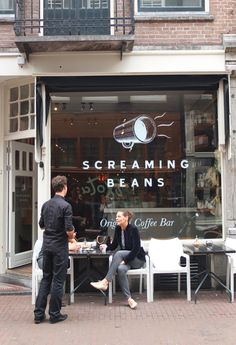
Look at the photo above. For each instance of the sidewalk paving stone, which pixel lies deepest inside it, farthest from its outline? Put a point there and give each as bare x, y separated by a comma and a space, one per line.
12, 289
169, 320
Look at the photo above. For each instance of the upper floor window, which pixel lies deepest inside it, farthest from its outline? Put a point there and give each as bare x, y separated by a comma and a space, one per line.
65, 4
68, 4
172, 5
7, 6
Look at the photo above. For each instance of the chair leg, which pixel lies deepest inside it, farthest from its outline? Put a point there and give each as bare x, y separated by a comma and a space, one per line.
36, 287
227, 274
232, 284
179, 282
72, 295
148, 289
33, 289
188, 286
141, 284
151, 287
110, 292
114, 285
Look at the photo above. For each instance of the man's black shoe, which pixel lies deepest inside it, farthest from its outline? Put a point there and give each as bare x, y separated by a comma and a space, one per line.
38, 320
62, 317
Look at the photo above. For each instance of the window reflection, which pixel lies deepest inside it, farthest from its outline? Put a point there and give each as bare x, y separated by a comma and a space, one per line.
171, 180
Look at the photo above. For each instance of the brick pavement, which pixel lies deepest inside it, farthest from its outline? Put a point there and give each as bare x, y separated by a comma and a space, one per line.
9, 289
169, 320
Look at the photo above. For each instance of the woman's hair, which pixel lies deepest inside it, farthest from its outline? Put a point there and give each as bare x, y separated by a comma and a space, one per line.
128, 214
58, 183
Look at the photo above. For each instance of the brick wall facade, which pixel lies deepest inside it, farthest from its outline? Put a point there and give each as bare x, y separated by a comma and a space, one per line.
7, 35
189, 31
164, 31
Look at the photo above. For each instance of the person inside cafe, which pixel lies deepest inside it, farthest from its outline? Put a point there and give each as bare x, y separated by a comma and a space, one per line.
129, 255
99, 215
79, 212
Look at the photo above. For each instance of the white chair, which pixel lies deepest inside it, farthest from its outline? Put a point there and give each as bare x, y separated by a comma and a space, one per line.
141, 272
231, 265
37, 273
165, 256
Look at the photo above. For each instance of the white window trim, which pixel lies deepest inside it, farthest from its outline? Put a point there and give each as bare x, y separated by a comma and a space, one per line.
7, 16
29, 133
169, 13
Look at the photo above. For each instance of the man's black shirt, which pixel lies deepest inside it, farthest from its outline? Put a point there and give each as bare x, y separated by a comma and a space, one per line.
56, 219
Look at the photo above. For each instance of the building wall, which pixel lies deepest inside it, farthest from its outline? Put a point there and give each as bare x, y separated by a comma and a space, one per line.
2, 228
164, 30
230, 190
7, 35
189, 30
159, 39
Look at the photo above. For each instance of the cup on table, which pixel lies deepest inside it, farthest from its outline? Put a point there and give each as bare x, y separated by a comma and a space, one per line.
103, 248
209, 244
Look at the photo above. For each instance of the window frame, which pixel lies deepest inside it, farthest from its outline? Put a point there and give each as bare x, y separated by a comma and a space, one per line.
20, 133
8, 12
172, 11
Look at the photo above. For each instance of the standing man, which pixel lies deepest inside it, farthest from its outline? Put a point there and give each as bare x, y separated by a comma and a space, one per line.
56, 219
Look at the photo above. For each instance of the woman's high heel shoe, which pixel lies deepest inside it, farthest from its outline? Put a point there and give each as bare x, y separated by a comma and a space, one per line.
132, 303
101, 285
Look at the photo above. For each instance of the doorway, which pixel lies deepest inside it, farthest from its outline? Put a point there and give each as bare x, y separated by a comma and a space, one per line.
22, 203
77, 17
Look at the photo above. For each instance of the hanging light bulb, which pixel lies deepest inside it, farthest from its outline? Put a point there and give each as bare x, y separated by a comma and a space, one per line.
91, 107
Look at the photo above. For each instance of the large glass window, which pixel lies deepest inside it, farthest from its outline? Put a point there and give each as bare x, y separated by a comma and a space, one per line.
171, 5
155, 154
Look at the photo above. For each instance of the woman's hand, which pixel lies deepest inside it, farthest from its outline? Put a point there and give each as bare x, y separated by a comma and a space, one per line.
103, 248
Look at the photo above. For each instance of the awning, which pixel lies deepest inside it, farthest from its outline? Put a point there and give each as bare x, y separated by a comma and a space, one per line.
128, 83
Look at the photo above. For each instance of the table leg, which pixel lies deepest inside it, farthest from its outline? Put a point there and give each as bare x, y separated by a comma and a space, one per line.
208, 273
219, 281
199, 286
88, 277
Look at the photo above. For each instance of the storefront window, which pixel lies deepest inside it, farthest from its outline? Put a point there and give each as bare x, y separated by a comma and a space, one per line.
154, 154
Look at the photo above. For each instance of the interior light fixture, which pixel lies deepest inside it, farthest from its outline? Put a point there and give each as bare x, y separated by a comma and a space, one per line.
82, 106
63, 106
100, 99
148, 98
60, 99
91, 108
55, 108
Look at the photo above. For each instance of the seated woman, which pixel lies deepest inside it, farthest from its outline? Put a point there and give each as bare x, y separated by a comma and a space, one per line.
130, 255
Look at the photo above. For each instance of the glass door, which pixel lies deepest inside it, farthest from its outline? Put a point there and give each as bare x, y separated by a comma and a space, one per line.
22, 213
